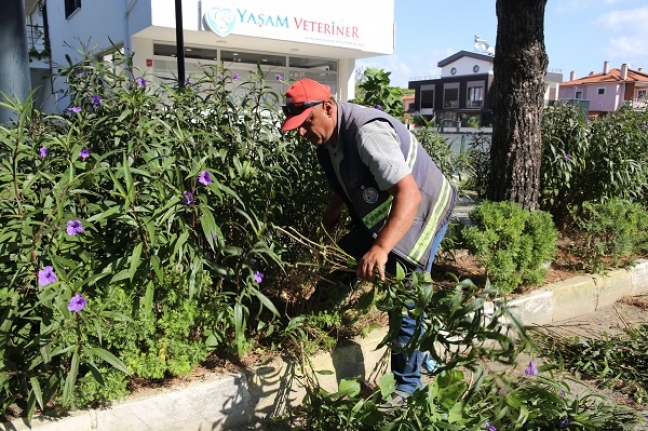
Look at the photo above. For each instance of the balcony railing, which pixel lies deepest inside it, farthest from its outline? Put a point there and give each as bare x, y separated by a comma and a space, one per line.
36, 41
451, 104
474, 104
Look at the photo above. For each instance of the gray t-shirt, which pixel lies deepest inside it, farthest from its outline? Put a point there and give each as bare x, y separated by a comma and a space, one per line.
379, 149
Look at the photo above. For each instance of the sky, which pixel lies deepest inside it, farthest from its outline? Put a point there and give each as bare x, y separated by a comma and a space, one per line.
579, 35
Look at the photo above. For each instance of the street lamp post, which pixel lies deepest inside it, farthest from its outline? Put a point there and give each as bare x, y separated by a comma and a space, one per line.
180, 50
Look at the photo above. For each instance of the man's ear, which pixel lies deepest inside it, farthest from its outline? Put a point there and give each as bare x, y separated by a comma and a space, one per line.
329, 108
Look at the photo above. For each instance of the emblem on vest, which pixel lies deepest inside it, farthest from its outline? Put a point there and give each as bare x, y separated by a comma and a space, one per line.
370, 195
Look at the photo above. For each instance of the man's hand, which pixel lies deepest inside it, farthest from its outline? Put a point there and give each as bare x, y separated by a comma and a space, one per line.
373, 260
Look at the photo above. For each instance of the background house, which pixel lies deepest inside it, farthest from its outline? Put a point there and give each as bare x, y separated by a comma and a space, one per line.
288, 40
608, 90
464, 89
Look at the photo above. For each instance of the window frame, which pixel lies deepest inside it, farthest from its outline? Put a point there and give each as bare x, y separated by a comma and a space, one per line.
455, 87
425, 88
71, 6
600, 91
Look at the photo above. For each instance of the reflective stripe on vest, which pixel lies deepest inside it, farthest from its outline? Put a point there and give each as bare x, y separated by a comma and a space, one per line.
375, 216
379, 213
427, 235
413, 150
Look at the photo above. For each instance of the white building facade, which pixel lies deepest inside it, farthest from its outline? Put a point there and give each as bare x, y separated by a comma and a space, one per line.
288, 39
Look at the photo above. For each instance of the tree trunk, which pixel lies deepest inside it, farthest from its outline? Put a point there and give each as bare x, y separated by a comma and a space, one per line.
519, 65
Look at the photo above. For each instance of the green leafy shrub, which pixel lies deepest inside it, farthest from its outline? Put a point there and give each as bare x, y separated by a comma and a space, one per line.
460, 333
511, 243
565, 144
157, 207
611, 233
594, 160
455, 166
478, 156
472, 121
377, 93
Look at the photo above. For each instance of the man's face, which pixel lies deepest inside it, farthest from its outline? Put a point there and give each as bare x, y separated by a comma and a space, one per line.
320, 125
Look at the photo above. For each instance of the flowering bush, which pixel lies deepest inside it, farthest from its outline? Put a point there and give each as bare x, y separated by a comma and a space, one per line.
591, 160
148, 204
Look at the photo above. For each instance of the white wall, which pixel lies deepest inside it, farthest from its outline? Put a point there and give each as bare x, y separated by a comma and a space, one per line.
369, 22
465, 66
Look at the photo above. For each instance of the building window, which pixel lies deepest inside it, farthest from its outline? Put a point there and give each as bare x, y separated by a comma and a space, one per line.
427, 99
579, 95
601, 91
641, 94
451, 97
71, 6
475, 97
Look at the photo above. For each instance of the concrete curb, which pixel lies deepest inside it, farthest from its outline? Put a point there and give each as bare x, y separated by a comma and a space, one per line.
225, 402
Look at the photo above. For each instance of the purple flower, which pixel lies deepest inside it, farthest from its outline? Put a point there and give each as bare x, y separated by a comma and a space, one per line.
489, 427
589, 121
77, 303
75, 109
186, 82
502, 391
258, 276
561, 394
188, 197
567, 156
141, 82
74, 227
575, 87
43, 152
205, 178
278, 77
564, 423
236, 77
645, 126
600, 104
96, 100
531, 370
46, 276
378, 107
84, 153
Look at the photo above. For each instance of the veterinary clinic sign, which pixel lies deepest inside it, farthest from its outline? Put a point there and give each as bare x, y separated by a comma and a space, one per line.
250, 18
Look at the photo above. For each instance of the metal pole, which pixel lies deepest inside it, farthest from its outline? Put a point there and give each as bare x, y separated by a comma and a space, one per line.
180, 49
14, 59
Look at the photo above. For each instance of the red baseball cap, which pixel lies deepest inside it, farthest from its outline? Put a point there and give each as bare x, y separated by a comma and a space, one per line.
300, 99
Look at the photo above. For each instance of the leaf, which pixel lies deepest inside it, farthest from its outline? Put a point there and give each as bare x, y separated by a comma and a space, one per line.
110, 358
265, 301
36, 389
135, 260
349, 387
387, 385
110, 211
71, 379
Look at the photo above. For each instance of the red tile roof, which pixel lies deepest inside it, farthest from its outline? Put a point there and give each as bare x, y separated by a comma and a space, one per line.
614, 75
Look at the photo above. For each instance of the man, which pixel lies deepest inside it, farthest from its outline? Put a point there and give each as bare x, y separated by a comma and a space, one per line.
398, 199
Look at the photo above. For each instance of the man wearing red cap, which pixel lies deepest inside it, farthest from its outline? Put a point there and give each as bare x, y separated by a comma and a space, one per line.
398, 199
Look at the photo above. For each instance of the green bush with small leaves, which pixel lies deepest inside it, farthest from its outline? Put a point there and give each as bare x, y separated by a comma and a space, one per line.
610, 234
513, 244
